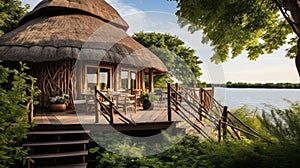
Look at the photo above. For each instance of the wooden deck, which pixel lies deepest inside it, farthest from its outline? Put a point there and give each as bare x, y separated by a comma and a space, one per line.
158, 114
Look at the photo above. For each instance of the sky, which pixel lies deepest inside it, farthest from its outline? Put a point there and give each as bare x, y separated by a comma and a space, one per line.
159, 16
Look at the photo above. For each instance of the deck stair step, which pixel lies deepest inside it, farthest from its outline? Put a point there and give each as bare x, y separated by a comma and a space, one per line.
51, 143
57, 147
57, 132
57, 155
79, 165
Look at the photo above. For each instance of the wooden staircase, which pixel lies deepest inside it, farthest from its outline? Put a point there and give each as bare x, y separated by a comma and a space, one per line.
57, 148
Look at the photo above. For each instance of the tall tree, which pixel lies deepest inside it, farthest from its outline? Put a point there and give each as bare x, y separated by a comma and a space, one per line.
11, 12
178, 58
255, 26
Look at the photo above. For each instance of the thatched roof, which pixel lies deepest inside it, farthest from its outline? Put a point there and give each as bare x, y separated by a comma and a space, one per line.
95, 8
67, 29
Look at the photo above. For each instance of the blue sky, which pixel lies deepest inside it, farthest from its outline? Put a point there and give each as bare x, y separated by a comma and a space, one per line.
159, 16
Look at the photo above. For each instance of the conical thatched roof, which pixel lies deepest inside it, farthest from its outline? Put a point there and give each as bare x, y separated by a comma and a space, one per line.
68, 29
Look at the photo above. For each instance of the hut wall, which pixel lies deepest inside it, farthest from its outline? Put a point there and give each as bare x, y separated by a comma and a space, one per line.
53, 78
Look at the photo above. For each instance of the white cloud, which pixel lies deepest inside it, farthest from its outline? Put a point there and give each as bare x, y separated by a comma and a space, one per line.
122, 8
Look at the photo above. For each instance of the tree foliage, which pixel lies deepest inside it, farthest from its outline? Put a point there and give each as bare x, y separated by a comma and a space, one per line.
11, 12
178, 58
14, 114
230, 84
234, 26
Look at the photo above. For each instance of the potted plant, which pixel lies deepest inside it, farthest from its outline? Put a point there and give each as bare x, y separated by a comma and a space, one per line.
147, 100
58, 103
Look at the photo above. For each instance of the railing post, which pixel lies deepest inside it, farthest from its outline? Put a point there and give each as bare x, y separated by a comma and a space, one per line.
169, 103
219, 131
224, 121
201, 97
111, 114
97, 114
176, 96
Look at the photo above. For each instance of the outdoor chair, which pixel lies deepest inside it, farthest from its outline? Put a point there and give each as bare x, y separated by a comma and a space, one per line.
126, 101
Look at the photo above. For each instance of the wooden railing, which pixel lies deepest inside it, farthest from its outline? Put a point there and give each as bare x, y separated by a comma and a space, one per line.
202, 109
106, 108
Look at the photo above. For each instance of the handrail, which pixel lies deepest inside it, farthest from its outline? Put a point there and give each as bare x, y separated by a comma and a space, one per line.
179, 110
201, 108
173, 99
245, 125
110, 110
221, 117
103, 96
216, 101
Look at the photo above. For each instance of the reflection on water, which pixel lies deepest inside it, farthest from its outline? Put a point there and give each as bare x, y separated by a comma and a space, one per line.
256, 98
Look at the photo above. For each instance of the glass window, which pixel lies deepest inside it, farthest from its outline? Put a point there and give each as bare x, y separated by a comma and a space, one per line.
124, 79
133, 80
91, 77
104, 78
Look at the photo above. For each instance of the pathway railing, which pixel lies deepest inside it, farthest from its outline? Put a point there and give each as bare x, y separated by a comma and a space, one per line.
200, 110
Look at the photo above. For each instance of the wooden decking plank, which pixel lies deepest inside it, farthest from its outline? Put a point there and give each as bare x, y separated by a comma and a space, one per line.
55, 143
69, 117
58, 155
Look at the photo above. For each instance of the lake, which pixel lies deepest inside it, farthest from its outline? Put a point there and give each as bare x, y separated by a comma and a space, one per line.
256, 98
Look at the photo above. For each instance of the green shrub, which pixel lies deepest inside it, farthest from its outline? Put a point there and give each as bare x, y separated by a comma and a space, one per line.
280, 151
14, 115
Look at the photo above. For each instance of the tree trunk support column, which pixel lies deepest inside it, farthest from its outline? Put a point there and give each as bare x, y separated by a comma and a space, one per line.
151, 80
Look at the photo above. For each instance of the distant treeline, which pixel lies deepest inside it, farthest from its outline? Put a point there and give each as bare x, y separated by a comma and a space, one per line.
256, 85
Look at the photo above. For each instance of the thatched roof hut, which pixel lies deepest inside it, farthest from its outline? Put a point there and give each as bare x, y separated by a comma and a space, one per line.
57, 33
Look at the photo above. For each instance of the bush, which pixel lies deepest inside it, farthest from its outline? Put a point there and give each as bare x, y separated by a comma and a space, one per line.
14, 114
281, 150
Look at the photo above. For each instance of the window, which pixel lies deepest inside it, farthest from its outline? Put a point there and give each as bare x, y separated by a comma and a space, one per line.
105, 78
124, 79
100, 76
133, 80
91, 74
128, 79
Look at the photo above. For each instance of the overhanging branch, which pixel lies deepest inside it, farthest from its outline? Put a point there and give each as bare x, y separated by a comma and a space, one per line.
285, 15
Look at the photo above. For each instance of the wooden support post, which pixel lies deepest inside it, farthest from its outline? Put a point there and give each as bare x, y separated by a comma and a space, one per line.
169, 103
98, 108
224, 121
111, 122
31, 110
151, 80
177, 96
219, 131
201, 97
143, 86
